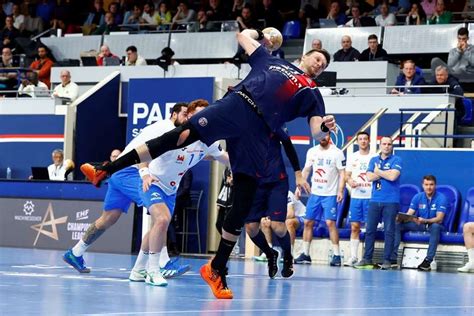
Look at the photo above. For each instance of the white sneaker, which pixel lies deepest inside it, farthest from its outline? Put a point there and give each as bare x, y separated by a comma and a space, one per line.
351, 262
156, 279
261, 258
468, 268
137, 275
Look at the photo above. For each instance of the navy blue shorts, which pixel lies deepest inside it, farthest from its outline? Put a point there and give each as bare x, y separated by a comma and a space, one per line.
270, 200
246, 133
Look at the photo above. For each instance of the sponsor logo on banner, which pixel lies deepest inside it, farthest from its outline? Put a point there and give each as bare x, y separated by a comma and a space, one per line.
144, 114
28, 210
48, 220
77, 229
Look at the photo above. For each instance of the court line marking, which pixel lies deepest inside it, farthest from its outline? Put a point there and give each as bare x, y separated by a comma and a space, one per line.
390, 308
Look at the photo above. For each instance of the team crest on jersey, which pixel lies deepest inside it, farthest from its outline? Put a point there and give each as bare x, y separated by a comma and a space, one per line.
202, 121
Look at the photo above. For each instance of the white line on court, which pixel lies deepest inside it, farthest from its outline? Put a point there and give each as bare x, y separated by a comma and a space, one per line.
316, 309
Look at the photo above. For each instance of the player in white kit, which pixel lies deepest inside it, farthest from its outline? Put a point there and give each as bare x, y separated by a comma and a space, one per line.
160, 181
361, 191
327, 188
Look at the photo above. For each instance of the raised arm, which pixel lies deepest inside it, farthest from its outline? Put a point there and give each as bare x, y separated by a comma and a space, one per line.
248, 39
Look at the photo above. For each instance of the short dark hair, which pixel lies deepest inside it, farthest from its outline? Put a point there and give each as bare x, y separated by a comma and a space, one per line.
321, 51
373, 36
463, 31
177, 107
429, 177
131, 48
362, 133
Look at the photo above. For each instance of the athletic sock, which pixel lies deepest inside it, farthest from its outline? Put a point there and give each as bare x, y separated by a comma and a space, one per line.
153, 261
164, 257
285, 243
129, 159
142, 259
79, 249
354, 247
222, 255
470, 254
306, 245
262, 243
336, 250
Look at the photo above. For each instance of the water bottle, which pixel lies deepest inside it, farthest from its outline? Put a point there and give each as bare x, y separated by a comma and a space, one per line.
330, 254
9, 173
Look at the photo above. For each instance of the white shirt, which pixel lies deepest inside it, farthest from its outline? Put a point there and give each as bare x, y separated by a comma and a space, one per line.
298, 206
151, 19
39, 91
71, 91
57, 173
388, 21
139, 62
18, 21
326, 165
357, 164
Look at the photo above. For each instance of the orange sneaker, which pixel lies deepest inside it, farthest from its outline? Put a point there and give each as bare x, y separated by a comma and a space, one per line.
92, 174
216, 281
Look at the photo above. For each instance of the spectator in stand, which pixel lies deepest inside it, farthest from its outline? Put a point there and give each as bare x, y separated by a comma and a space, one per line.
33, 24
358, 20
271, 15
43, 65
409, 78
347, 52
9, 33
18, 18
442, 77
246, 19
468, 8
64, 17
133, 59
384, 173
202, 24
32, 87
416, 16
94, 18
184, 14
237, 8
440, 16
150, 15
429, 6
164, 16
7, 7
60, 169
336, 14
374, 51
308, 12
316, 44
134, 17
114, 8
45, 10
216, 11
67, 89
429, 207
468, 232
104, 52
460, 58
108, 26
8, 80
385, 18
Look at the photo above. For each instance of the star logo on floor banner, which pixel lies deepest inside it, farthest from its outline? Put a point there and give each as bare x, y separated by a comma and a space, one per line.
51, 222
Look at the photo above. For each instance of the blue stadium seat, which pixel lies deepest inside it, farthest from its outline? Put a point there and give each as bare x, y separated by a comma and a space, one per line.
321, 230
467, 215
407, 192
454, 200
468, 117
291, 29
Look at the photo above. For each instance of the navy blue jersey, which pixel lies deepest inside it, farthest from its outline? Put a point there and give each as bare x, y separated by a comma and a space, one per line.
274, 165
281, 90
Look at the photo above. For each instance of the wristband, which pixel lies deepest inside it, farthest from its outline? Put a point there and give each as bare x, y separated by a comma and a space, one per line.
260, 35
324, 128
143, 172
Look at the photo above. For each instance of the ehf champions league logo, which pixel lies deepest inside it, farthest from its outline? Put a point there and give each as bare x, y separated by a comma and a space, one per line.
337, 137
